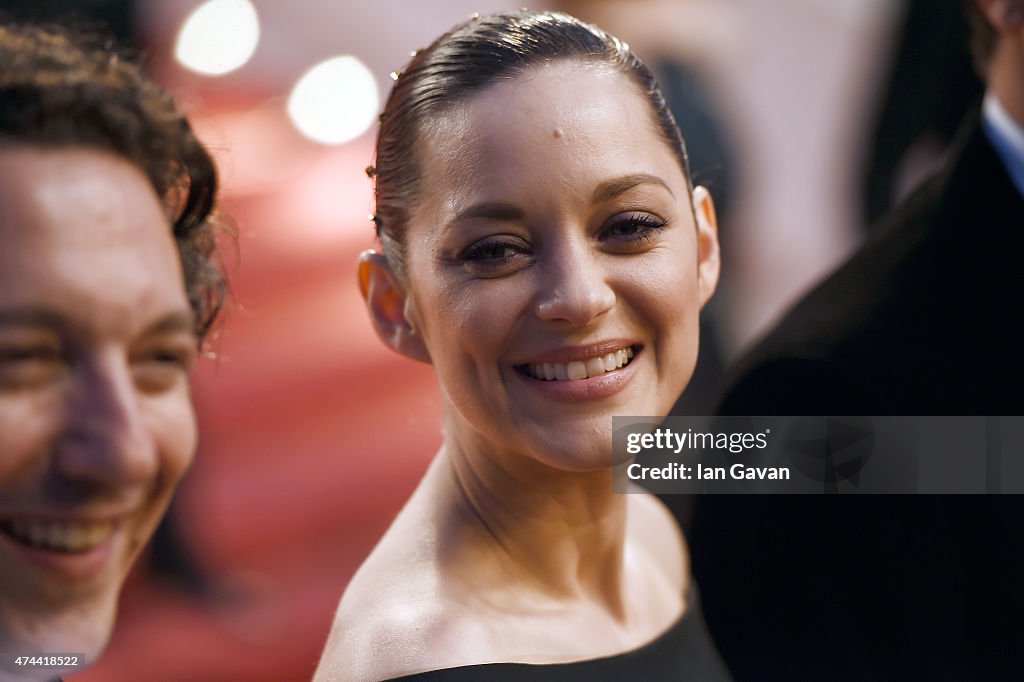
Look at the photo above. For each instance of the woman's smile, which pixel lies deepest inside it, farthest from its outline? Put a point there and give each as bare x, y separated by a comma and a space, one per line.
578, 365
581, 373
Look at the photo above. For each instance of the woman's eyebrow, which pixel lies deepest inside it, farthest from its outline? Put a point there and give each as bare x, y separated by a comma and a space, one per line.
610, 189
607, 190
491, 210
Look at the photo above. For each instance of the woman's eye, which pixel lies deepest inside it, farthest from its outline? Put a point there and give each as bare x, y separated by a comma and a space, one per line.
494, 256
488, 252
632, 229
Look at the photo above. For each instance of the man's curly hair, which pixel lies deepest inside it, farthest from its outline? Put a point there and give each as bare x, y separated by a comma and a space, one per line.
59, 90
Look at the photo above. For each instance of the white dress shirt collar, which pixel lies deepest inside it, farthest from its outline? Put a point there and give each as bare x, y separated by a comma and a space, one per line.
1007, 136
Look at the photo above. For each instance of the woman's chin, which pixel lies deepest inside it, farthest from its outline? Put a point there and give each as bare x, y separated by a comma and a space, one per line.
573, 449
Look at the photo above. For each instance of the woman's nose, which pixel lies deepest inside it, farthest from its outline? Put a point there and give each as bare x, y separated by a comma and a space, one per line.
105, 440
574, 288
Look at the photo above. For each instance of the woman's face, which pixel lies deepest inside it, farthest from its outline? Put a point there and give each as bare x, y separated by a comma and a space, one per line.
96, 423
554, 271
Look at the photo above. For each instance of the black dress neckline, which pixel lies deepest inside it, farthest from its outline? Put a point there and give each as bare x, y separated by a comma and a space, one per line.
683, 652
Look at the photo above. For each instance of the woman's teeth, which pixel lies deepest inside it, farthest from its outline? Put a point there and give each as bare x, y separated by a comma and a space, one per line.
58, 536
571, 371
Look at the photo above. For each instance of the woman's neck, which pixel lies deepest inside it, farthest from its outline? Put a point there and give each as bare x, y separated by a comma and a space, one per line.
521, 527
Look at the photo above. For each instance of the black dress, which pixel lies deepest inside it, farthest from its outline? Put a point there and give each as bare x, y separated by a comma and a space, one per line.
684, 652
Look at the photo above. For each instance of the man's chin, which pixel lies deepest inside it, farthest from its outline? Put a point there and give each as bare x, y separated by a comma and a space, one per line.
82, 633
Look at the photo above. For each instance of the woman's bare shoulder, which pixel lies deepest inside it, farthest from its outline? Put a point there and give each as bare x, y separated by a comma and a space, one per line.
394, 619
399, 614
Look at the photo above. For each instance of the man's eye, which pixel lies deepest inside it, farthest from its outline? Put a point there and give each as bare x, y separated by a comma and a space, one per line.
30, 365
169, 357
162, 368
172, 357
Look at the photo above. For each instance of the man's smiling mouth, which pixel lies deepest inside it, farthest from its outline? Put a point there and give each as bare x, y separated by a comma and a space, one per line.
69, 537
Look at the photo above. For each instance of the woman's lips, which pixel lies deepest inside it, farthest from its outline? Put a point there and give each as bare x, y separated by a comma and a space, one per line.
578, 369
581, 380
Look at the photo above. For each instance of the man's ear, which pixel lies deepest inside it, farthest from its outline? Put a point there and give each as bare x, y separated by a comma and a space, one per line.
387, 303
1005, 16
708, 263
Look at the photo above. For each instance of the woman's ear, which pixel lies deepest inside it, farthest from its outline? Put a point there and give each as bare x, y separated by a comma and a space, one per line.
386, 302
708, 263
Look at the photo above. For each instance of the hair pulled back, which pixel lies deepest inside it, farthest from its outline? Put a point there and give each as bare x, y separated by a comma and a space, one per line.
469, 58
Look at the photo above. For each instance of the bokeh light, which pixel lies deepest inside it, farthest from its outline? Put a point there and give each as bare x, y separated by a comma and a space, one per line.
335, 101
218, 37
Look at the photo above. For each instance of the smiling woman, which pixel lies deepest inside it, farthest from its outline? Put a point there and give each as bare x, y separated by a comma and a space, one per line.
544, 251
107, 284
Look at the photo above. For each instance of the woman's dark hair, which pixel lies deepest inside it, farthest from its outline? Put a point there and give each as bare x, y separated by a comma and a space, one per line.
469, 58
57, 90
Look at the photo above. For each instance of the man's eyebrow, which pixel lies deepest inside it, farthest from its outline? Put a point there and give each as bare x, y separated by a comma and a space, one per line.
612, 188
33, 317
175, 322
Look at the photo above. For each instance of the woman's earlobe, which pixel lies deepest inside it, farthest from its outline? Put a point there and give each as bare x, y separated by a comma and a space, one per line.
363, 272
388, 306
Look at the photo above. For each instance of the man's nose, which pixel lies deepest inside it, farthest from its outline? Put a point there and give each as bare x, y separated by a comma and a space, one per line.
106, 441
574, 287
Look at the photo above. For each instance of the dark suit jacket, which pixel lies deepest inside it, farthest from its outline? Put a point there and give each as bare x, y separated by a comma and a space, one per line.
926, 319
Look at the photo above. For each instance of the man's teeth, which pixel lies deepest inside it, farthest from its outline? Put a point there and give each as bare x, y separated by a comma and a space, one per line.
57, 535
571, 371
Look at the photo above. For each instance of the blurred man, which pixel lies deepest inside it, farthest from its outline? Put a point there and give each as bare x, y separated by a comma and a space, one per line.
108, 282
925, 320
